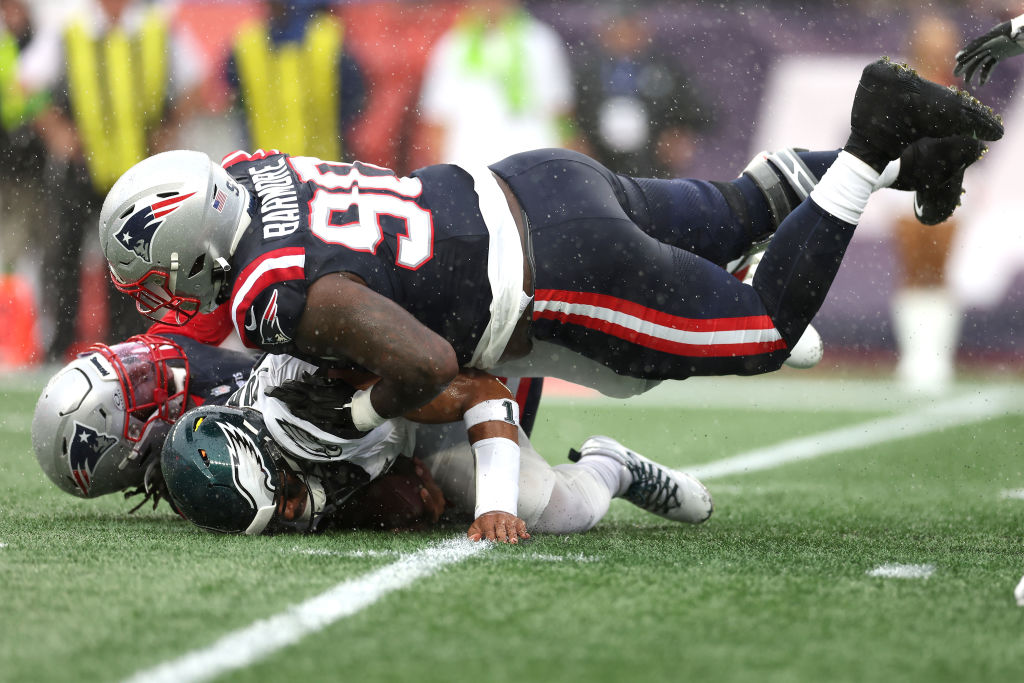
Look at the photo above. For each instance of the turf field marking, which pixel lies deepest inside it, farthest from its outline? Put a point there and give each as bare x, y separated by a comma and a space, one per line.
540, 557
1012, 494
932, 418
903, 571
247, 645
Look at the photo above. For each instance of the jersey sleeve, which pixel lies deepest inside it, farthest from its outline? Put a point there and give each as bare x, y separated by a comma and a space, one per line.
268, 299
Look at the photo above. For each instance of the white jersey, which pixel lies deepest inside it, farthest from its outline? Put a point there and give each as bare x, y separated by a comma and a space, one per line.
302, 439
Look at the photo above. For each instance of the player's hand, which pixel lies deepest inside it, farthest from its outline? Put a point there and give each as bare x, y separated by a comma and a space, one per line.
498, 526
985, 51
433, 498
322, 401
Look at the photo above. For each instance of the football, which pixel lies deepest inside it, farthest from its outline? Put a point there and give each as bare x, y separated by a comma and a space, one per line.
392, 501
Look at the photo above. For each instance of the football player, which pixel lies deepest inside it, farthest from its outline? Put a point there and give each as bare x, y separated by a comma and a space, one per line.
101, 420
545, 258
239, 469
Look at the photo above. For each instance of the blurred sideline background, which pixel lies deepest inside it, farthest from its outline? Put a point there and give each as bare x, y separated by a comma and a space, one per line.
768, 74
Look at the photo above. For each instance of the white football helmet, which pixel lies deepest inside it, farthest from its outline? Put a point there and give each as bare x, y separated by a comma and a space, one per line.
168, 228
99, 410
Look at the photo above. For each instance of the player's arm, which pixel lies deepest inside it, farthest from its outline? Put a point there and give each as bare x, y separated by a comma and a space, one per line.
484, 404
491, 415
345, 319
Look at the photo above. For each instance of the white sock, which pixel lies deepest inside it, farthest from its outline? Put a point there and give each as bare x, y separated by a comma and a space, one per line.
608, 470
845, 188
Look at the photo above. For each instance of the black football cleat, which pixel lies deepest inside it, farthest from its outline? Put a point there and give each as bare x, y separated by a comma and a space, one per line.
934, 168
894, 106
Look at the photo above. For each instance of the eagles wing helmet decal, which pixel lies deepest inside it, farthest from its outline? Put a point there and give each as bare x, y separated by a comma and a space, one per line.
84, 451
136, 233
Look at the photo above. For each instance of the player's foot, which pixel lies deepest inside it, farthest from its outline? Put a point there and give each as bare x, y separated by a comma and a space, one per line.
673, 495
934, 168
809, 349
894, 106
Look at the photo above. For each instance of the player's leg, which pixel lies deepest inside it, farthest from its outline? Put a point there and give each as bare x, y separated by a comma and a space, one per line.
609, 291
720, 221
445, 450
604, 469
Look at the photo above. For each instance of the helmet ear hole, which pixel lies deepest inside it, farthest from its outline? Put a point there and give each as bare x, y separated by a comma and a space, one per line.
197, 266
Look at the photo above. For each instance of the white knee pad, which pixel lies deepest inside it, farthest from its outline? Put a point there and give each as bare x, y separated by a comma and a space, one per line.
577, 502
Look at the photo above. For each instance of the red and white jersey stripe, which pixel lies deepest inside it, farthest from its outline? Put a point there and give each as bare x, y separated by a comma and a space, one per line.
279, 265
653, 329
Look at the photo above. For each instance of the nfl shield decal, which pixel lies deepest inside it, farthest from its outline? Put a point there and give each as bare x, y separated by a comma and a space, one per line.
136, 233
84, 451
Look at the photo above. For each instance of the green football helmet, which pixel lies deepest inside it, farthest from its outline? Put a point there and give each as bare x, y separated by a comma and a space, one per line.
225, 473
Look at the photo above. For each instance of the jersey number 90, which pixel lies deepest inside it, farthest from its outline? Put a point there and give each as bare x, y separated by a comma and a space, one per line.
376, 192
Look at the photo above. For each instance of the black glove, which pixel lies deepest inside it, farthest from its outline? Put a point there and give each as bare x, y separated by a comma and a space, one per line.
324, 401
985, 51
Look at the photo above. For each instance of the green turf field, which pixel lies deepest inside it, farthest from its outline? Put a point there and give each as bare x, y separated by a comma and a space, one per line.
818, 484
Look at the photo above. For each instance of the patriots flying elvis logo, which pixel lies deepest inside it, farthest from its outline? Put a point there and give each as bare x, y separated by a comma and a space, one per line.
136, 233
269, 325
84, 451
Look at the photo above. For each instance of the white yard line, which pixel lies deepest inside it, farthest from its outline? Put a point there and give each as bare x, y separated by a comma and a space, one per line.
903, 571
935, 417
245, 646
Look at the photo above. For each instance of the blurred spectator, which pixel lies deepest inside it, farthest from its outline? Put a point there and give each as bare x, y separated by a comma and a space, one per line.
123, 81
926, 315
636, 105
20, 149
300, 90
496, 83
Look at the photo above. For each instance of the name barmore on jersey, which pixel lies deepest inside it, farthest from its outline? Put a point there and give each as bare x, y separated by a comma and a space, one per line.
278, 199
375, 452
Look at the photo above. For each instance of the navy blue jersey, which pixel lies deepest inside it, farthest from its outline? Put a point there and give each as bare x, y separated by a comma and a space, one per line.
419, 241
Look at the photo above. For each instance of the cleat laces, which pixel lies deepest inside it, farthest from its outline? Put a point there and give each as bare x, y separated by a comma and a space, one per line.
651, 489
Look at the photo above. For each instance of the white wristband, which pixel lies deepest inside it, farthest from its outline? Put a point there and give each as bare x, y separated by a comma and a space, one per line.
495, 410
497, 476
364, 417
